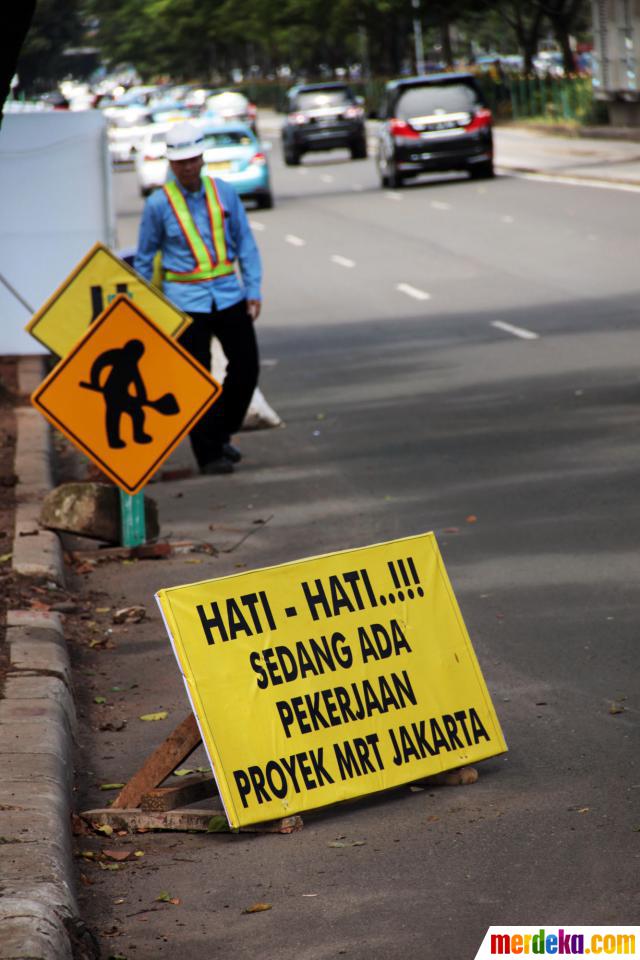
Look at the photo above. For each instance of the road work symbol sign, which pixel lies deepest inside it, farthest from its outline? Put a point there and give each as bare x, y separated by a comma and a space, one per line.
126, 394
330, 678
88, 290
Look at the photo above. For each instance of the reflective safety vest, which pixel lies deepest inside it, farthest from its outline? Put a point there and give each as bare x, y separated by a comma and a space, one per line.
206, 267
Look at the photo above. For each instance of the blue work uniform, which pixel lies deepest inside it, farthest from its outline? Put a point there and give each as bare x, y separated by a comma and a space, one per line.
217, 307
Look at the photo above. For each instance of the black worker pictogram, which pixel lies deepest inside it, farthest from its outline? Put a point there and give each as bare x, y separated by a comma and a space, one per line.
125, 392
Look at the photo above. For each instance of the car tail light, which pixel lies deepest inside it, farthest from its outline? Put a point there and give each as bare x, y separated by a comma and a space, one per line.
252, 110
400, 128
482, 118
352, 112
259, 158
297, 118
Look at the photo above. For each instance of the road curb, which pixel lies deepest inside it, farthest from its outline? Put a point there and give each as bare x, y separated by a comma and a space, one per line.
38, 909
36, 552
566, 175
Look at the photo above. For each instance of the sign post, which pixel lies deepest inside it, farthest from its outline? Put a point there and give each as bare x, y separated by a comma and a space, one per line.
132, 519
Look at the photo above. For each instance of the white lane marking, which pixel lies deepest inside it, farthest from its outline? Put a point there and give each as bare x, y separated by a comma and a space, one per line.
516, 331
326, 178
413, 291
342, 261
295, 241
392, 195
256, 225
571, 181
507, 218
440, 205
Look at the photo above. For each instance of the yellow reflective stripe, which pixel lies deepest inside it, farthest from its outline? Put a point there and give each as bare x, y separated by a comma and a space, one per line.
216, 218
206, 268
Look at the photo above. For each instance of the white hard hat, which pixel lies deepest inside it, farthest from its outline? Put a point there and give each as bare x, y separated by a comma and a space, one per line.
184, 141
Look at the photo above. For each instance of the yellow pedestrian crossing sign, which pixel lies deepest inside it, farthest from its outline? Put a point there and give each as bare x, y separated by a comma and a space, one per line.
88, 290
126, 394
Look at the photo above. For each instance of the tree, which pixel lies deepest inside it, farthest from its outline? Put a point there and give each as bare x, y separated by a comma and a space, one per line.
565, 16
525, 19
56, 25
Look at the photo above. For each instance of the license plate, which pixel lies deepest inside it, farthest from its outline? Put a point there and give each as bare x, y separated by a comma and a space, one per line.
214, 167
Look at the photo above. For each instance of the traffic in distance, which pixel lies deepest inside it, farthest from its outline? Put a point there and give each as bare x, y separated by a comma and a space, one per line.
434, 122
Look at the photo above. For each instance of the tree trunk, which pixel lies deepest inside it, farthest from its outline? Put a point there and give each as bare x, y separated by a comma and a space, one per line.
561, 31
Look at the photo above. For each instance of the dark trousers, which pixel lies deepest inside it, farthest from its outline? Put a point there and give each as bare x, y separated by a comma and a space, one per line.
234, 329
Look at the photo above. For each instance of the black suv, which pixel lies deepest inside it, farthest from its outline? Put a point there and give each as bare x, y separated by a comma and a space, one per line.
322, 116
437, 122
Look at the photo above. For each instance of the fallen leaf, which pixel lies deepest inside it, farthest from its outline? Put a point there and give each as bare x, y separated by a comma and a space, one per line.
102, 609
138, 853
432, 818
257, 908
5, 557
118, 855
616, 708
347, 843
160, 715
99, 699
130, 614
111, 786
218, 824
416, 789
582, 810
183, 772
109, 866
120, 900
87, 855
103, 828
85, 880
472, 518
78, 826
166, 897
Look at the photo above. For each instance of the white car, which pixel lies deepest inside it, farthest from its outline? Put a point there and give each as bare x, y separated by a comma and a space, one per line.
125, 131
151, 160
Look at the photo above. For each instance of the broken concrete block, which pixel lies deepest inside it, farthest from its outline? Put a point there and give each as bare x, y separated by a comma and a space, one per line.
91, 510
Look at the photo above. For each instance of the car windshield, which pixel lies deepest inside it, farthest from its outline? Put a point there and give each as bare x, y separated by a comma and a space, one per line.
316, 99
436, 98
226, 138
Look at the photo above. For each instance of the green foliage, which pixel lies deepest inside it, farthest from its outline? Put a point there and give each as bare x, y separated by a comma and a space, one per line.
56, 25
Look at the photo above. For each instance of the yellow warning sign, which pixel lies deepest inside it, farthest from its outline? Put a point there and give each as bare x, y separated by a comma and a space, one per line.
330, 678
126, 394
88, 290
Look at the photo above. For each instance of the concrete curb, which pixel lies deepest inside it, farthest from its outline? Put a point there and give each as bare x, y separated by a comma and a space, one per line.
36, 552
568, 175
38, 910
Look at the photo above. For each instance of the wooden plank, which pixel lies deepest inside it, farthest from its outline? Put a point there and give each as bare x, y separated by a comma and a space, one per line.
190, 790
170, 754
181, 820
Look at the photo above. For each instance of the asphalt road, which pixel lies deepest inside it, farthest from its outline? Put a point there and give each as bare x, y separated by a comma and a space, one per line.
459, 357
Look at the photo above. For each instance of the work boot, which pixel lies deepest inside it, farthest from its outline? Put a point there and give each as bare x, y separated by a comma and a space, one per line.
143, 438
219, 465
231, 453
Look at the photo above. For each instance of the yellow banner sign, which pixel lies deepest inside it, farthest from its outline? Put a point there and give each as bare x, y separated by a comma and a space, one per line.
126, 394
329, 678
88, 290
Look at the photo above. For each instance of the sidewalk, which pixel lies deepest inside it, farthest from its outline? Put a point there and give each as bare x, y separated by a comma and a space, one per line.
582, 158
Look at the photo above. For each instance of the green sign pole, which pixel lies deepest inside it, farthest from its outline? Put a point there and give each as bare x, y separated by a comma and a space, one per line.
132, 525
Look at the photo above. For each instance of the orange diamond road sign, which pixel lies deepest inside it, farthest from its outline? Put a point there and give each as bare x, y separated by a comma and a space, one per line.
90, 287
126, 394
